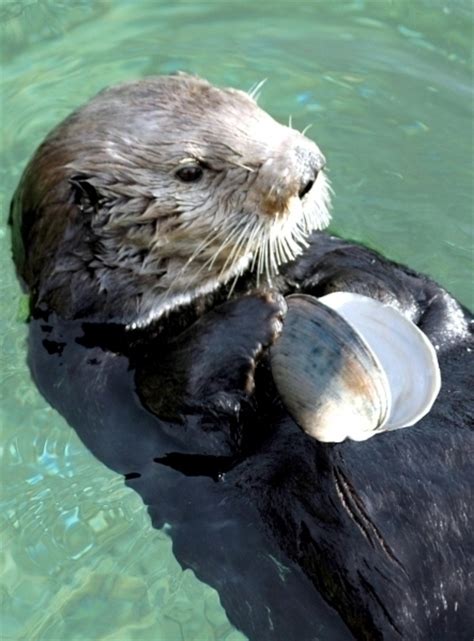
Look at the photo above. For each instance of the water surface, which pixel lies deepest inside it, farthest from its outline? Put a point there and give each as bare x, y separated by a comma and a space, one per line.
387, 89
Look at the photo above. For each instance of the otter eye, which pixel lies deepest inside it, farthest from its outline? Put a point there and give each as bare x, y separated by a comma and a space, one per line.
190, 173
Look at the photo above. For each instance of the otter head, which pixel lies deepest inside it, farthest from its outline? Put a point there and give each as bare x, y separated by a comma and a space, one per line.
160, 190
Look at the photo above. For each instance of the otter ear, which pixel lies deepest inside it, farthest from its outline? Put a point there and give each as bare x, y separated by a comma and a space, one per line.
85, 195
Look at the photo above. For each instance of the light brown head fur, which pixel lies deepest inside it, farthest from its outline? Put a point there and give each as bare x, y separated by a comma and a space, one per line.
157, 191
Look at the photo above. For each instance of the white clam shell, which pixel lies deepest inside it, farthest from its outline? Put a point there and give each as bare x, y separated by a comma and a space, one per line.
348, 366
330, 381
404, 351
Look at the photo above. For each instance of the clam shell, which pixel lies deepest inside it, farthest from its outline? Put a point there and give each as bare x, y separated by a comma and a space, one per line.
404, 351
330, 381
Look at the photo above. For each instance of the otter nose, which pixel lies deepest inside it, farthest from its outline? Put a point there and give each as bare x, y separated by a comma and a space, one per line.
312, 161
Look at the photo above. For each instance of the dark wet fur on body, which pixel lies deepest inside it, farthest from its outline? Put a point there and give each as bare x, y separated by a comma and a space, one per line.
302, 540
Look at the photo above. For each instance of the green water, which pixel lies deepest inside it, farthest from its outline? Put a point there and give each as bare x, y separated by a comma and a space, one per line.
387, 88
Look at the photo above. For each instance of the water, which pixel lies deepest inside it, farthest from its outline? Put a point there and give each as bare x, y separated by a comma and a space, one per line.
387, 89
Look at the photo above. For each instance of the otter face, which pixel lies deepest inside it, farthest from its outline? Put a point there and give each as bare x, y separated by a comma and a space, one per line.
160, 190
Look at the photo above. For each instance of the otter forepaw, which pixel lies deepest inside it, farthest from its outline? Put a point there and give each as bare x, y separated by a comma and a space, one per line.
231, 341
214, 359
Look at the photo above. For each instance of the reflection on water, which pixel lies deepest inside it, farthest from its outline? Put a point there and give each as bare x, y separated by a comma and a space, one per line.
387, 89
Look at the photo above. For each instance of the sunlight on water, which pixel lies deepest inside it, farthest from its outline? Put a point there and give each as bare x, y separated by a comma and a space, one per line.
387, 89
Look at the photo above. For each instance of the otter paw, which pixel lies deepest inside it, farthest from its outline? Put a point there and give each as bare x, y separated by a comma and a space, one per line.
231, 340
210, 367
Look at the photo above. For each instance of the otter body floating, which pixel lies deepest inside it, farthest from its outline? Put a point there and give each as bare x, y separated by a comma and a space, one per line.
130, 225
347, 366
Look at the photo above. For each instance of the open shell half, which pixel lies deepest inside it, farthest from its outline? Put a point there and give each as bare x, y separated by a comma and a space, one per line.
348, 366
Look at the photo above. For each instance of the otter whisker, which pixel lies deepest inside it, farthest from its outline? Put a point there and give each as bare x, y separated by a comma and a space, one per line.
225, 243
285, 249
268, 258
209, 239
234, 253
207, 265
236, 237
274, 255
234, 282
192, 281
285, 245
257, 228
260, 264
273, 268
276, 250
264, 256
272, 243
234, 266
245, 244
257, 246
292, 247
176, 285
290, 121
307, 128
250, 241
242, 166
254, 91
211, 260
265, 262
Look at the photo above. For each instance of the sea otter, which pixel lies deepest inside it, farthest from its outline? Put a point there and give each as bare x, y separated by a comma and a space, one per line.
158, 231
